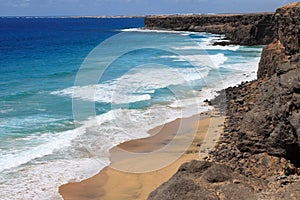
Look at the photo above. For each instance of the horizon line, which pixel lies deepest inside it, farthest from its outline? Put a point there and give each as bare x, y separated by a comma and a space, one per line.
120, 16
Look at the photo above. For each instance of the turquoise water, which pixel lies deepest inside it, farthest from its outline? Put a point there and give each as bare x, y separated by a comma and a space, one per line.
58, 112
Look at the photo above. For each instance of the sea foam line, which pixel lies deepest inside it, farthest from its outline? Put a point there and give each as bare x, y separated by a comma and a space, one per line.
137, 85
55, 142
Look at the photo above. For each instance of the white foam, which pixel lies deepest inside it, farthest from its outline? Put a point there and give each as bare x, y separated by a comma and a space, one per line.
20, 122
253, 49
137, 85
119, 125
189, 104
243, 72
40, 181
206, 60
143, 30
207, 43
188, 48
5, 111
54, 142
218, 47
208, 47
246, 65
40, 178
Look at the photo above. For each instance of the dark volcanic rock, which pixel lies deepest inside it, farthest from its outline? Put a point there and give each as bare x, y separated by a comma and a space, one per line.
217, 173
258, 154
273, 60
204, 180
264, 115
243, 29
179, 189
284, 54
262, 125
288, 26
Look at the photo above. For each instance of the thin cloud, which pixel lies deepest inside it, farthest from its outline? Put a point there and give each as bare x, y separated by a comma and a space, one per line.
21, 3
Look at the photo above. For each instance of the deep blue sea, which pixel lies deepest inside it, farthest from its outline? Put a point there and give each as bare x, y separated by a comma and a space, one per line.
71, 89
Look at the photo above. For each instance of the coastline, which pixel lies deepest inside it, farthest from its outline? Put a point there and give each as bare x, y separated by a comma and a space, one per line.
240, 29
111, 183
257, 155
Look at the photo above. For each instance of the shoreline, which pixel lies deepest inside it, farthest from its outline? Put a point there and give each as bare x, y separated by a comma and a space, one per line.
258, 152
240, 29
151, 171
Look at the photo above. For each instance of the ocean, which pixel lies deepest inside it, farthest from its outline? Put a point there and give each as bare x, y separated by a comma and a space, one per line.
71, 89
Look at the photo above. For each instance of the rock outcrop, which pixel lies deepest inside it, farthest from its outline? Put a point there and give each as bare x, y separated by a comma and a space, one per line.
261, 139
201, 180
243, 29
206, 180
283, 54
264, 115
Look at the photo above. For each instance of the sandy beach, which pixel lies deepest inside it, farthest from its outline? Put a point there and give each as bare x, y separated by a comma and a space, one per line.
140, 166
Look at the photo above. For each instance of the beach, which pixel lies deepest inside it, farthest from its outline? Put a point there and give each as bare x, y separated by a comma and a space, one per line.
111, 183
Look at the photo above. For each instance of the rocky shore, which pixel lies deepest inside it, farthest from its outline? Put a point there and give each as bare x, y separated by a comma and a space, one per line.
258, 155
242, 29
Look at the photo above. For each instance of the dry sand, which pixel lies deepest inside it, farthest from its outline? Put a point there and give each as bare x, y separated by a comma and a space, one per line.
155, 159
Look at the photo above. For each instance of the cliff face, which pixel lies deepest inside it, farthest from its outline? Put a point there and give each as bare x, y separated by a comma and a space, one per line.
247, 29
272, 122
264, 115
261, 139
284, 53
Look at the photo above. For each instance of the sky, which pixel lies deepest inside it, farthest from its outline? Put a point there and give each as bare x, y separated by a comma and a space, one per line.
133, 7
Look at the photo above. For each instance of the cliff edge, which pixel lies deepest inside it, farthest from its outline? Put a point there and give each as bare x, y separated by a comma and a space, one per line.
258, 153
243, 29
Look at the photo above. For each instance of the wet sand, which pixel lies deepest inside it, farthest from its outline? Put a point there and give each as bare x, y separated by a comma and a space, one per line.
139, 166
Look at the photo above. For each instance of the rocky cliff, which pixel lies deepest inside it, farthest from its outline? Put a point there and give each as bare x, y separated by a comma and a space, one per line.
244, 29
284, 53
259, 151
265, 114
